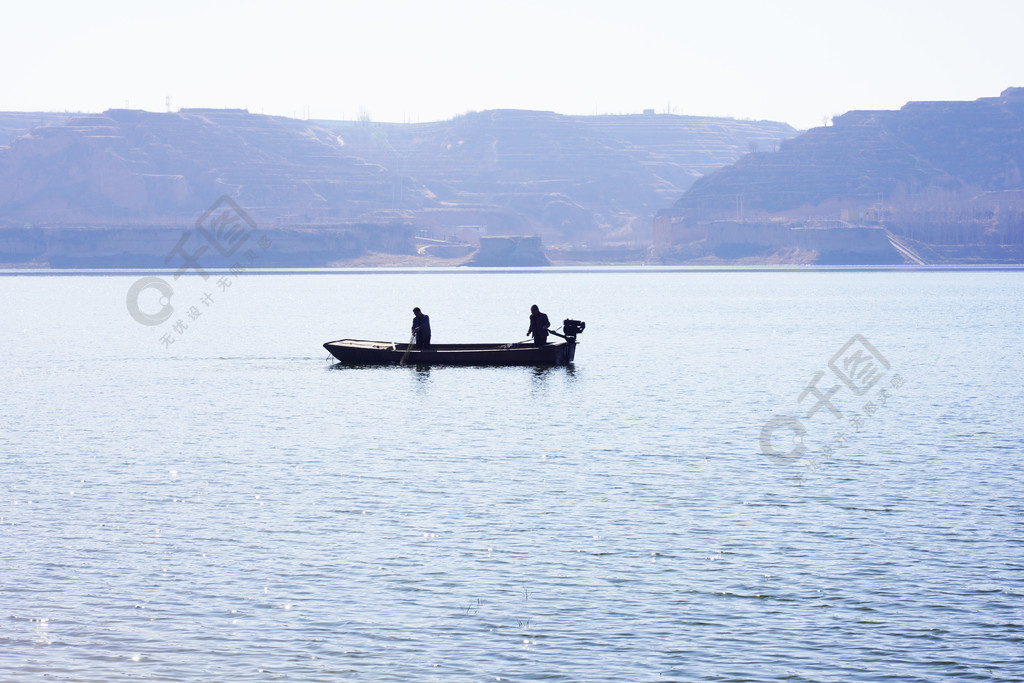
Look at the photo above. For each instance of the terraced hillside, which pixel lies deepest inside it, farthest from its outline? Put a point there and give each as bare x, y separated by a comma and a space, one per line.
14, 124
571, 180
944, 178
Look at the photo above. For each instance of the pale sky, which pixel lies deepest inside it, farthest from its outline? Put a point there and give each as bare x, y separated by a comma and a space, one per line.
785, 60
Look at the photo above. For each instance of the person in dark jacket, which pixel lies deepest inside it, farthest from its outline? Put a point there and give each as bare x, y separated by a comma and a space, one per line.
538, 326
421, 329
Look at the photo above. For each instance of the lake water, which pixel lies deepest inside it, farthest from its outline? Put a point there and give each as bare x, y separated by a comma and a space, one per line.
229, 505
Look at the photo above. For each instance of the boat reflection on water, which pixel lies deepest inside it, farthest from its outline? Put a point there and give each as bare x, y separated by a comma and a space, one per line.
542, 373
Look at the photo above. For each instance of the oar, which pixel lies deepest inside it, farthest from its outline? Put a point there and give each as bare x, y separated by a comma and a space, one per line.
407, 350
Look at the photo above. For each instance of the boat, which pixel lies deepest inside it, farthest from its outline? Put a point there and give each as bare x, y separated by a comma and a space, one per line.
363, 352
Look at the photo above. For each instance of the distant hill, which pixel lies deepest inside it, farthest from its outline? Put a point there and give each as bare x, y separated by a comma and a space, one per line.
74, 190
945, 180
14, 124
569, 178
126, 166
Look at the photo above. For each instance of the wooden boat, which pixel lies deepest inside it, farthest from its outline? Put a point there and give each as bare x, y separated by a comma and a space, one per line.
361, 352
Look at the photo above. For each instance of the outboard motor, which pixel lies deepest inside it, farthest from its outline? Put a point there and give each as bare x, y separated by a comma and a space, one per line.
571, 328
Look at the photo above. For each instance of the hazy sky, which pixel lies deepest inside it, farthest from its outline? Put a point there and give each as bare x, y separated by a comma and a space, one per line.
786, 60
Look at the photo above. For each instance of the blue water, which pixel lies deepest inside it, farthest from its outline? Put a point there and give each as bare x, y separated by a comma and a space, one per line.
232, 506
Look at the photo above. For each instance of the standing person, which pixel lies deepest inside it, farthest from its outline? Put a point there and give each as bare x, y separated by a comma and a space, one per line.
421, 329
538, 326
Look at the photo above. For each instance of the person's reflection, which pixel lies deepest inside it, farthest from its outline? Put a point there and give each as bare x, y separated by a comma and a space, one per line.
422, 375
541, 376
541, 373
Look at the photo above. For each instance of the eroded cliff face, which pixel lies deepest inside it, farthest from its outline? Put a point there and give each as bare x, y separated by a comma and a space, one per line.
510, 251
169, 246
820, 244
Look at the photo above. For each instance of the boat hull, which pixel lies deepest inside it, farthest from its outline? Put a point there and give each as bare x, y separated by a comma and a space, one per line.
360, 352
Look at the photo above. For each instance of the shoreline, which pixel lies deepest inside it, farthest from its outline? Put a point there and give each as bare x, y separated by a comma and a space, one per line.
449, 269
